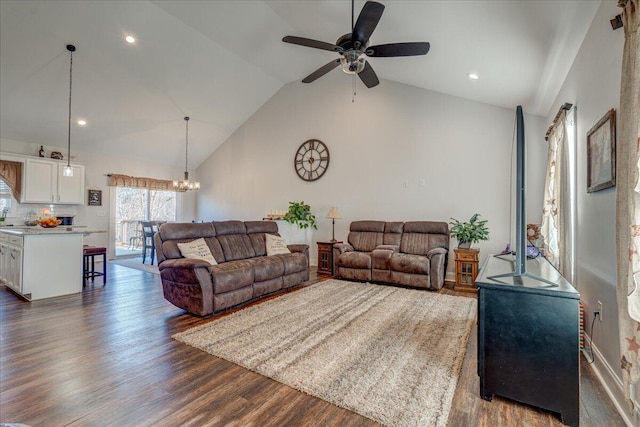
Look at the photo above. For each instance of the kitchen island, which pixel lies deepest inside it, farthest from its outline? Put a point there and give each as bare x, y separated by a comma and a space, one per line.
39, 263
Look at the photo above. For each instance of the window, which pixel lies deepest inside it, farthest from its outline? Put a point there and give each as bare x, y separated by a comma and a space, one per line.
5, 197
134, 205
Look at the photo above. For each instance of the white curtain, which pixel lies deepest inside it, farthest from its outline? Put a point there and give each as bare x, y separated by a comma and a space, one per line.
628, 200
555, 228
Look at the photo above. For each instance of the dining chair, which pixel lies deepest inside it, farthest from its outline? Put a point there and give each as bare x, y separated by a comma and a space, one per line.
149, 228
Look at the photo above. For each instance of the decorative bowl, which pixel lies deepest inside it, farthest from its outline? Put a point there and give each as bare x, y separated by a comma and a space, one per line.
50, 222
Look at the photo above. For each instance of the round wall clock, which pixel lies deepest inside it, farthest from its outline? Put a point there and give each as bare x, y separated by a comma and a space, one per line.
311, 160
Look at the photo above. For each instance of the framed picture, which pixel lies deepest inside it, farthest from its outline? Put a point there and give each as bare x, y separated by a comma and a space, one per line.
95, 198
601, 153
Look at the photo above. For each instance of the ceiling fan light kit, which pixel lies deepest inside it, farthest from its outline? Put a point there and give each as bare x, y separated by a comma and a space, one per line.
354, 48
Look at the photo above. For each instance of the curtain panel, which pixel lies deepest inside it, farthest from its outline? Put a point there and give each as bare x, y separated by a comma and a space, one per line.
628, 200
555, 211
11, 174
116, 180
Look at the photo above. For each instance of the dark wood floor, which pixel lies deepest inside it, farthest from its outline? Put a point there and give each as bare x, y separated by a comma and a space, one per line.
106, 357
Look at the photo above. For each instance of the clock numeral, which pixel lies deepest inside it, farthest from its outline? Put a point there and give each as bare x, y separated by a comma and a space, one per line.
312, 144
324, 159
299, 161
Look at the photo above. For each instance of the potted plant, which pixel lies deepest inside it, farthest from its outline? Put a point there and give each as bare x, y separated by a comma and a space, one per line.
469, 232
299, 213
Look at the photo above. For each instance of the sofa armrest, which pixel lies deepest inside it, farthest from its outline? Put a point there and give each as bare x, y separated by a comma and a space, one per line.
436, 251
340, 248
186, 283
300, 247
392, 248
438, 260
188, 263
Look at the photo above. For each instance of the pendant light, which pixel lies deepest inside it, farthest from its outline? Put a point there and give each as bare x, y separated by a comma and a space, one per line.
185, 184
68, 170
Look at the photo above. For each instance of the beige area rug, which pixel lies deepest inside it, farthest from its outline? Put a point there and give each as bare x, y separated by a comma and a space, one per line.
391, 354
137, 264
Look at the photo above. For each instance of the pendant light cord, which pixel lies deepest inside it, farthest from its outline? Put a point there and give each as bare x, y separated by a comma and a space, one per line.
71, 48
186, 151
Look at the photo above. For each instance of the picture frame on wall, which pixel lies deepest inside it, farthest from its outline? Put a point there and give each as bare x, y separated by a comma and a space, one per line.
94, 198
601, 153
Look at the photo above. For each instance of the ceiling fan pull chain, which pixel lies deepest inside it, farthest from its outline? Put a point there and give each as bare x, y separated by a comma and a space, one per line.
353, 87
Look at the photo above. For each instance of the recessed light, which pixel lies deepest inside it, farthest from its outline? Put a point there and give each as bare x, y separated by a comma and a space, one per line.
130, 39
473, 76
82, 122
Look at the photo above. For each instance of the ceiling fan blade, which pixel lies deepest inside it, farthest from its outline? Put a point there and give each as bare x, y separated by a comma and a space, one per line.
321, 71
367, 21
398, 49
368, 76
311, 43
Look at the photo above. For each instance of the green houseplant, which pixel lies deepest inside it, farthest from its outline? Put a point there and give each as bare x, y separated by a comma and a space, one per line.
299, 213
469, 232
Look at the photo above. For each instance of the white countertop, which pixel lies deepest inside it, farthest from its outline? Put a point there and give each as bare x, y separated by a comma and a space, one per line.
37, 230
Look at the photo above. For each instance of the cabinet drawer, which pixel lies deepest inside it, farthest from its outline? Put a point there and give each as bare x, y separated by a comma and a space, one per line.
467, 256
4, 237
15, 240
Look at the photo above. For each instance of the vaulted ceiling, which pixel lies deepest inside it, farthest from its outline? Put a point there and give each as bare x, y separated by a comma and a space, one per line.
219, 61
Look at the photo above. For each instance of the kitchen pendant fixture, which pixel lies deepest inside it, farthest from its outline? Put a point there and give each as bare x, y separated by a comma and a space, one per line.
68, 170
185, 184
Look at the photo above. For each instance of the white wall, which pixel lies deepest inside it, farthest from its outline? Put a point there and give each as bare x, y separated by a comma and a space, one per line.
392, 134
593, 85
97, 166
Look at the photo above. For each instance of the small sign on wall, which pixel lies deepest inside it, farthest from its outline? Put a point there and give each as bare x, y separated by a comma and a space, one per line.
94, 198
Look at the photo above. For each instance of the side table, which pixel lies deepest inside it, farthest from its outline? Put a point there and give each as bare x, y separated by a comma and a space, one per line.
325, 257
466, 269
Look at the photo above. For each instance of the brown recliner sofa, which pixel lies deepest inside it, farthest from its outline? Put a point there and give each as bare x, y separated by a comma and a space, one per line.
244, 271
412, 253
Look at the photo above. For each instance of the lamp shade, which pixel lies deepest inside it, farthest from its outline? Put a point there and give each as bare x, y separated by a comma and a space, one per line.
333, 213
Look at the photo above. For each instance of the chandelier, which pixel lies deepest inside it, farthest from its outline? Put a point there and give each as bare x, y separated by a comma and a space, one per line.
185, 184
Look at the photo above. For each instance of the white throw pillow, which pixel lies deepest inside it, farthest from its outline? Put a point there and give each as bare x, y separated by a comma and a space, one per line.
197, 249
275, 245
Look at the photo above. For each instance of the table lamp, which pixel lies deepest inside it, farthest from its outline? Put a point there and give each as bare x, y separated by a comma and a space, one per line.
333, 214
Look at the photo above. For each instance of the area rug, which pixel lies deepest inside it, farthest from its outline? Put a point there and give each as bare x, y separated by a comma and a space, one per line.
137, 264
390, 354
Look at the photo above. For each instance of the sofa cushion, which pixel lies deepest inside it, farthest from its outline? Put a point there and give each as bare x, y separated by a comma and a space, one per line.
275, 245
266, 268
236, 246
256, 231
197, 249
361, 260
392, 233
170, 248
231, 275
407, 263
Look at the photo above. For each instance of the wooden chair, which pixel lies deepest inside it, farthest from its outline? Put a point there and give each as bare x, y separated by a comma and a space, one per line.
149, 228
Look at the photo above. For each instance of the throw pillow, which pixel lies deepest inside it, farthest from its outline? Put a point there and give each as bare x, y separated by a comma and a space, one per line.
275, 245
197, 249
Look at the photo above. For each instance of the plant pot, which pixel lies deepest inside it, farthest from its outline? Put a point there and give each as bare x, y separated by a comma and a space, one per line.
464, 245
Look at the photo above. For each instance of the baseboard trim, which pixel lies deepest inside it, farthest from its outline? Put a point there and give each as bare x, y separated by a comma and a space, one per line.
612, 385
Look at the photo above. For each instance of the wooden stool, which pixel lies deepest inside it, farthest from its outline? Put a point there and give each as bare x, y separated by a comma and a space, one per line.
88, 268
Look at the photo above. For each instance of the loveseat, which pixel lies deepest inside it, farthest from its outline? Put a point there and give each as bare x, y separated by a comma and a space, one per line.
244, 271
410, 253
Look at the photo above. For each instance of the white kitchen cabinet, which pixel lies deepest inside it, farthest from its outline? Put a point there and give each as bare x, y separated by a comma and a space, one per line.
11, 262
44, 183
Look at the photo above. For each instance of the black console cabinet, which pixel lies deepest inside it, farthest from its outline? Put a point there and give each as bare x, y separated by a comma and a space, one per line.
528, 338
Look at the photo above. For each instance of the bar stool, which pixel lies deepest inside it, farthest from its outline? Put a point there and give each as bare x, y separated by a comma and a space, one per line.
88, 267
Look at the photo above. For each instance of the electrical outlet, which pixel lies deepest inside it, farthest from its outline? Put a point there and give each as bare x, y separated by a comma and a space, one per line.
600, 310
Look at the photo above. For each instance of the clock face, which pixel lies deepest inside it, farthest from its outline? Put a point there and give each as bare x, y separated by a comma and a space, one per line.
311, 160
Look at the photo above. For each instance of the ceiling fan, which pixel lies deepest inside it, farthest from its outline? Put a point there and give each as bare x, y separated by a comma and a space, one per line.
354, 47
